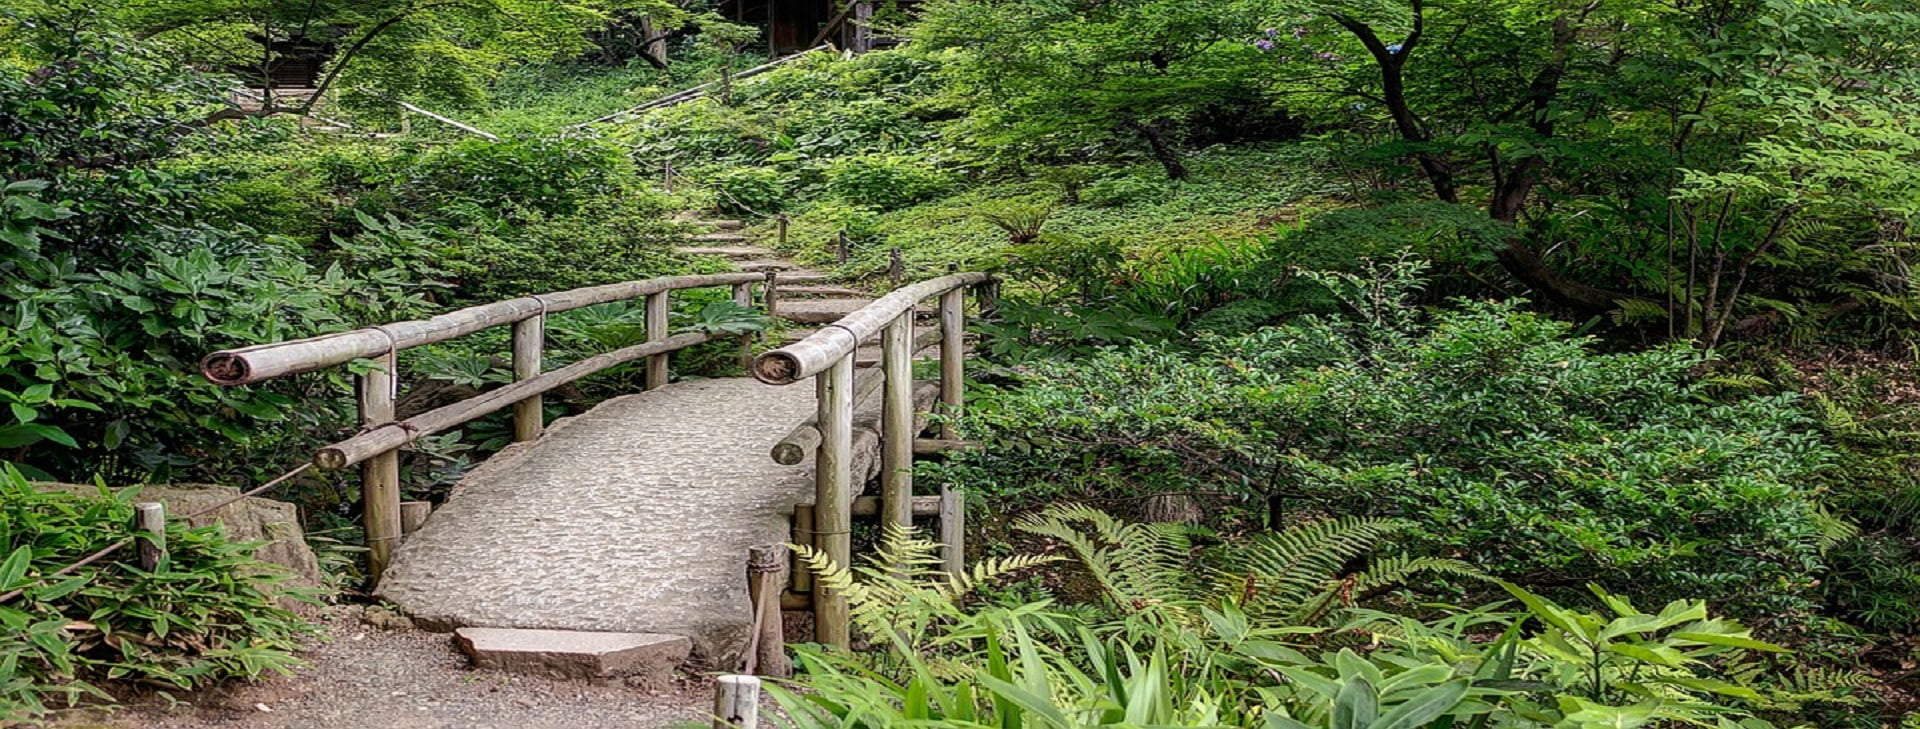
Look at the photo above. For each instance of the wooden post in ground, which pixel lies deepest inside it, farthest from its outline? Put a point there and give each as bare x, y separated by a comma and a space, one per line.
896, 423
772, 295
953, 531
657, 309
783, 220
150, 520
736, 702
529, 341
896, 267
953, 384
833, 498
766, 574
743, 296
843, 248
380, 475
802, 577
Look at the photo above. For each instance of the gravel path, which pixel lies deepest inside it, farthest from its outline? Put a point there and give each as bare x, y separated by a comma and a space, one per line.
407, 679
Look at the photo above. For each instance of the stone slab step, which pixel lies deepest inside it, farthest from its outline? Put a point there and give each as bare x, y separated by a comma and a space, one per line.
646, 660
800, 277
818, 311
722, 224
728, 251
764, 264
718, 238
821, 292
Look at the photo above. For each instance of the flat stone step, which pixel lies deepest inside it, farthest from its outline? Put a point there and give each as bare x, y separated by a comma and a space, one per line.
722, 224
819, 311
727, 251
764, 264
800, 277
821, 292
646, 660
718, 238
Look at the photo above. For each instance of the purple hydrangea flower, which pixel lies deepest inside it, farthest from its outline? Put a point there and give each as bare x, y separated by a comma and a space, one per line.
1263, 44
1299, 31
1273, 32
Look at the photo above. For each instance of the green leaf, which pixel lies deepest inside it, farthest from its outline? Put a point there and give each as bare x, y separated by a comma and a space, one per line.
1425, 707
12, 570
1356, 706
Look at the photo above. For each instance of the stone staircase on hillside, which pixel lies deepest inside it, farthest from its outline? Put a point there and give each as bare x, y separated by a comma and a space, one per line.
807, 298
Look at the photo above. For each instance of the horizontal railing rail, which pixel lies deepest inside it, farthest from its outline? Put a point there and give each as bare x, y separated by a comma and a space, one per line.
828, 356
376, 448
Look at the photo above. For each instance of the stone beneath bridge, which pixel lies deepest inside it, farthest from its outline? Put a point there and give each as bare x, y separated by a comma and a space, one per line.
633, 518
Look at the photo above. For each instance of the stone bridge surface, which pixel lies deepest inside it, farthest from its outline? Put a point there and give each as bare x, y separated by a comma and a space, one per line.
634, 517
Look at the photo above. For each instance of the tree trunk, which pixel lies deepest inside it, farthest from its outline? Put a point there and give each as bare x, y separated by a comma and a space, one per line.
1163, 151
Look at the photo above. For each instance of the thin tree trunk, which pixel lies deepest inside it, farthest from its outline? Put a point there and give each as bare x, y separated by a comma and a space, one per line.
1163, 151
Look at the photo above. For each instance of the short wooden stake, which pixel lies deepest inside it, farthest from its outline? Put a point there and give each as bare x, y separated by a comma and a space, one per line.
657, 309
736, 702
843, 248
896, 430
953, 531
150, 519
896, 267
529, 341
953, 354
766, 574
413, 515
380, 475
783, 220
833, 499
772, 296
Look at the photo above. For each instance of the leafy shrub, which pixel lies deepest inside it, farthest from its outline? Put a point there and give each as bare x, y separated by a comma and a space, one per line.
941, 662
886, 181
1507, 441
1120, 190
209, 613
749, 190
552, 175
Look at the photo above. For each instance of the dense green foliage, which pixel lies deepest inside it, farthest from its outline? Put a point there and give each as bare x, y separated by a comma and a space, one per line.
1507, 442
1199, 659
209, 612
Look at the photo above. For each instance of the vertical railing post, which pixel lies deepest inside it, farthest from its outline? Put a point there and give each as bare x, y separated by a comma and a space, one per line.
833, 498
953, 532
529, 341
657, 330
743, 297
953, 384
150, 519
896, 422
784, 221
772, 293
380, 475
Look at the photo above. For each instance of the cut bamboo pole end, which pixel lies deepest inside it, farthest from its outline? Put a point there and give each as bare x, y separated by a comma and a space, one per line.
150, 519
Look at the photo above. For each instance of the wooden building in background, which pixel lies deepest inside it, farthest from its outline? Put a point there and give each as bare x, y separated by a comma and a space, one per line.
791, 26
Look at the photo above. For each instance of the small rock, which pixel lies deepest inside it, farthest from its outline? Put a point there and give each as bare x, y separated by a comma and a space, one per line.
385, 618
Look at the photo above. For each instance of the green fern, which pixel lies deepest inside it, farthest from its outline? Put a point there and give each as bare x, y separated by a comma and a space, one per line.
1297, 577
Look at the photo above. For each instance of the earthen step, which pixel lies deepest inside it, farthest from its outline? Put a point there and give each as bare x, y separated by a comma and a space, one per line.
728, 251
645, 660
722, 224
765, 264
718, 238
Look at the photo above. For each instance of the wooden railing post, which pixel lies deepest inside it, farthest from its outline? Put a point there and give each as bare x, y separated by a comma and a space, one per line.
953, 384
380, 475
529, 341
657, 308
896, 422
833, 498
743, 296
953, 532
772, 294
150, 519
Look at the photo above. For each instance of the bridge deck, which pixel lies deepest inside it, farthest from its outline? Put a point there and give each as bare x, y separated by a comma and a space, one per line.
634, 517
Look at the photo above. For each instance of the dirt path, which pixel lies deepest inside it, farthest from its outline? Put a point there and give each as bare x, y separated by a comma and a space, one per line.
363, 676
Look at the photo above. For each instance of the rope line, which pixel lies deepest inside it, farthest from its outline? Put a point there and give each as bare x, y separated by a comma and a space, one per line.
116, 546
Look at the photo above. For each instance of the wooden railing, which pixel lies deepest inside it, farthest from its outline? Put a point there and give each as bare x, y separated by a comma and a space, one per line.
828, 358
376, 448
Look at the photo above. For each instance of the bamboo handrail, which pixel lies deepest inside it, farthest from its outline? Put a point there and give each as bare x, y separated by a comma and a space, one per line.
393, 435
805, 437
813, 355
376, 449
248, 365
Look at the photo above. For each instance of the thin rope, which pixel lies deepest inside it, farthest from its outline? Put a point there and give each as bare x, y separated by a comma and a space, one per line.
116, 546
